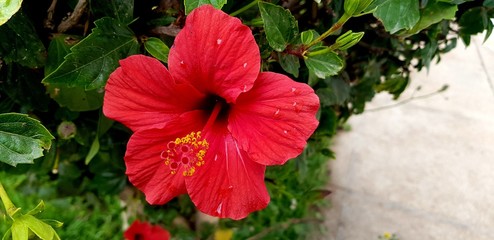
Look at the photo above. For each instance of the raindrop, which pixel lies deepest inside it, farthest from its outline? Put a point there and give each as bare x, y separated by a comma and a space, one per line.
285, 131
230, 187
218, 210
245, 88
294, 104
219, 41
216, 157
181, 62
293, 89
277, 112
245, 65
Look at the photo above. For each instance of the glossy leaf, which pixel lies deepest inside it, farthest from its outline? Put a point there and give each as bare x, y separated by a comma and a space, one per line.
398, 14
324, 65
121, 10
74, 98
22, 139
290, 63
93, 59
19, 43
193, 4
434, 12
157, 49
279, 24
8, 9
336, 92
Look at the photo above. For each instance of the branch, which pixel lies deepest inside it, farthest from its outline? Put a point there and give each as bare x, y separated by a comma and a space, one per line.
49, 18
170, 30
74, 17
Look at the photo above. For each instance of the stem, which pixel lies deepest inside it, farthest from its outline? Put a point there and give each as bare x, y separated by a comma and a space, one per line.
337, 26
233, 14
322, 51
9, 206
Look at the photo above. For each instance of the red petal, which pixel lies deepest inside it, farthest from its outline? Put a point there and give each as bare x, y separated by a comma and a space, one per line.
142, 94
229, 184
145, 231
145, 167
272, 121
216, 53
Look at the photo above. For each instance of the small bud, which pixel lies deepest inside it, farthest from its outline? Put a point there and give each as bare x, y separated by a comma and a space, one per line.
347, 40
66, 130
356, 7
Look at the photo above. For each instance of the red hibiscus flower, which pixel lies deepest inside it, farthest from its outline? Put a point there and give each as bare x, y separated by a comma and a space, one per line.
145, 231
210, 124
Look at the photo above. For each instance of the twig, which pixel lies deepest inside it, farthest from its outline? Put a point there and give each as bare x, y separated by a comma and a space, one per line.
170, 30
49, 18
442, 89
73, 19
482, 63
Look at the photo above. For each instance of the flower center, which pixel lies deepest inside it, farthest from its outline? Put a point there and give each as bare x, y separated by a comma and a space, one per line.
187, 152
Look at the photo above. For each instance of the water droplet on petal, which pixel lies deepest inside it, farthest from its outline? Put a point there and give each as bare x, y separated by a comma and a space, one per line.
216, 157
218, 41
230, 187
294, 104
245, 88
182, 63
293, 89
285, 131
245, 65
277, 112
218, 209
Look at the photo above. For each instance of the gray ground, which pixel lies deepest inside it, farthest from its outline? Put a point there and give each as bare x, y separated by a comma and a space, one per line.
423, 170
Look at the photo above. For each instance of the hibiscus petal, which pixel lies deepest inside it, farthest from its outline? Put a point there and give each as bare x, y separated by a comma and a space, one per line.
216, 53
146, 168
229, 184
142, 94
274, 119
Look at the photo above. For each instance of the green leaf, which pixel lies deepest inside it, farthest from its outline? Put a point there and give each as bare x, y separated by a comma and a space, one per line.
279, 24
398, 14
19, 231
57, 50
93, 59
434, 12
488, 3
193, 4
8, 8
324, 65
121, 10
74, 98
39, 208
20, 43
394, 85
104, 124
290, 63
23, 86
157, 49
473, 21
337, 92
22, 139
38, 227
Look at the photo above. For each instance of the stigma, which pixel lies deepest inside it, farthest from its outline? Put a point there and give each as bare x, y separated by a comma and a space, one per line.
187, 152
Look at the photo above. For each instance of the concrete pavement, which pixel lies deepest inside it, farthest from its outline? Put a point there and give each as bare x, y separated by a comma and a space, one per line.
423, 170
